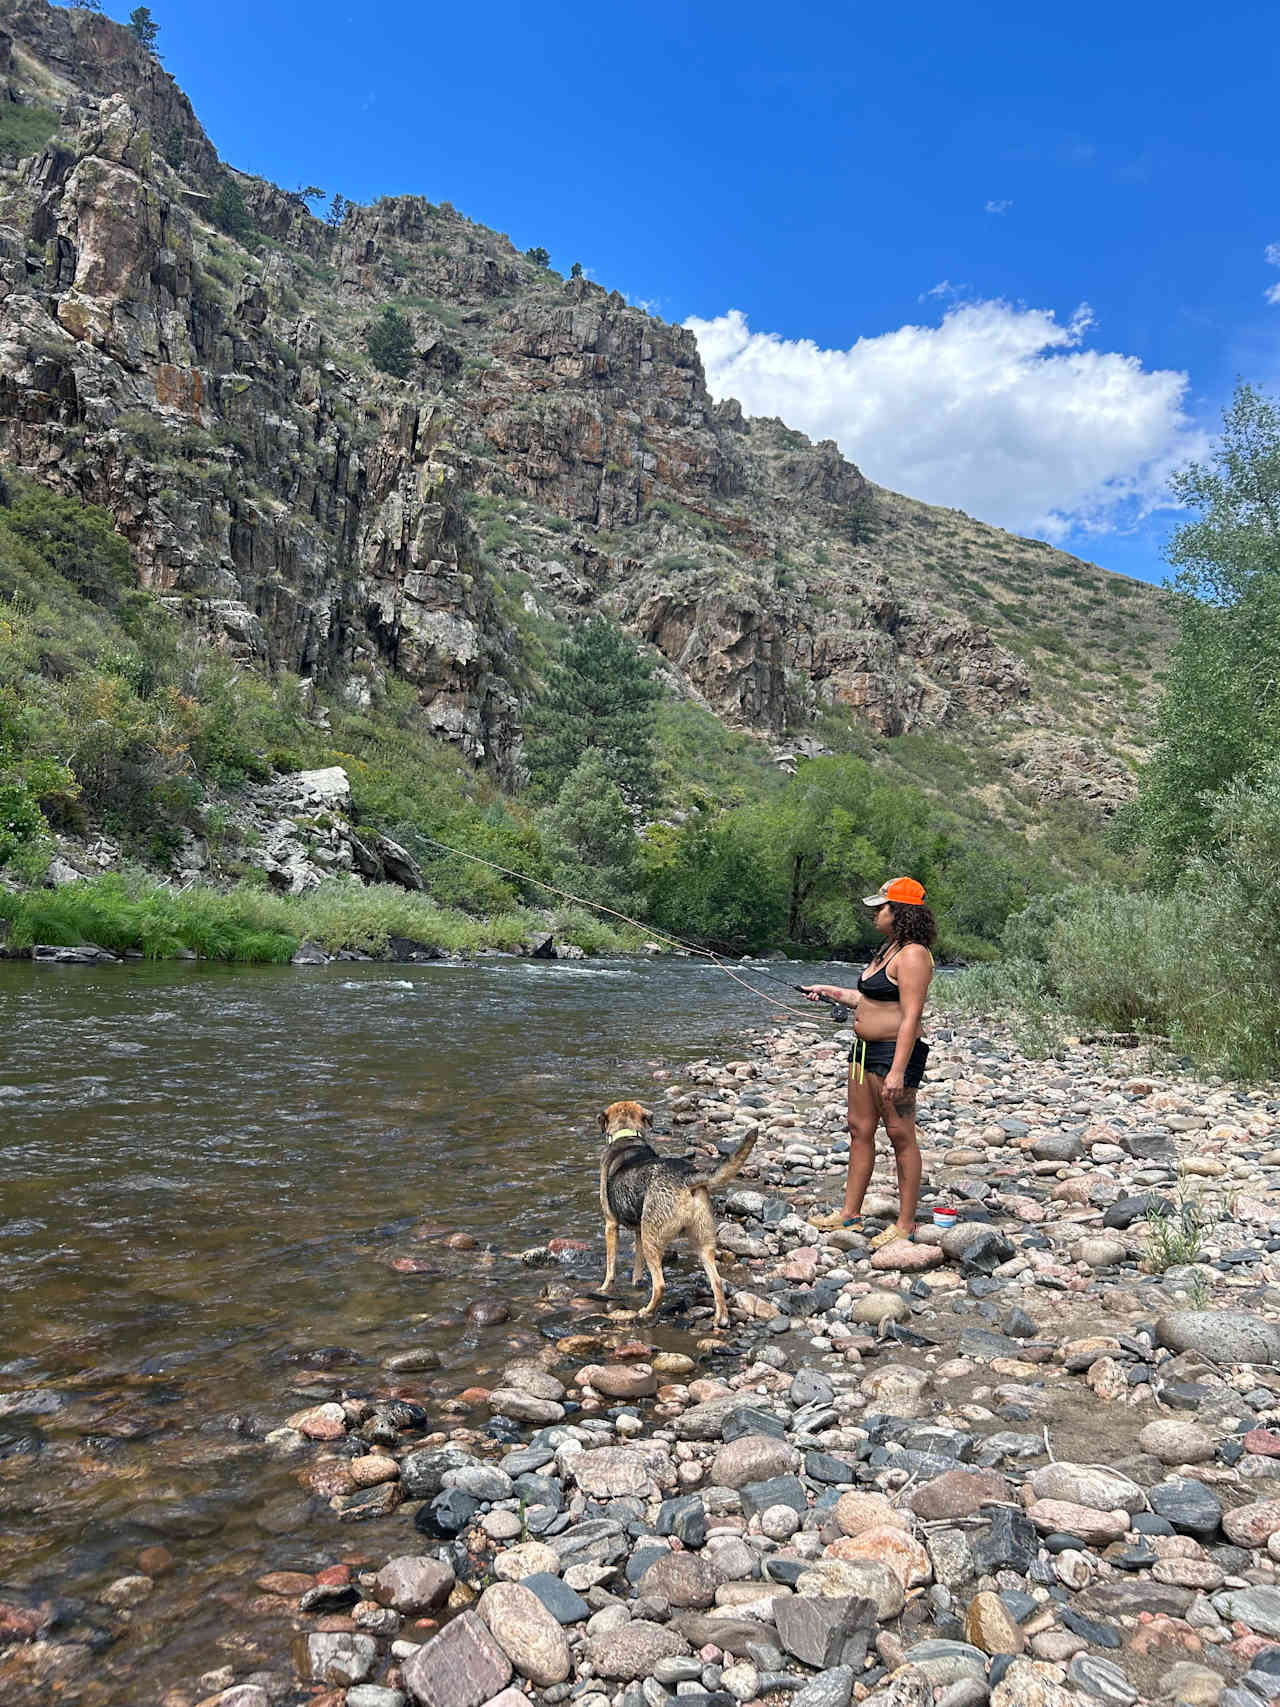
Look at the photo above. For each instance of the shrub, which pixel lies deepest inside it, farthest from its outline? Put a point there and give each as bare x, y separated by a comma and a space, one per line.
25, 130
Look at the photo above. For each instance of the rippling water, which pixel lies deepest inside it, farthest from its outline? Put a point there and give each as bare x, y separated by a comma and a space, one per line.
203, 1172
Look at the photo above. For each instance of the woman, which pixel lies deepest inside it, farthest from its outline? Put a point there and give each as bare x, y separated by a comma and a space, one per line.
886, 1062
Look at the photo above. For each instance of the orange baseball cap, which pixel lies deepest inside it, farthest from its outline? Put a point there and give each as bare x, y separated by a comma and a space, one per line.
903, 889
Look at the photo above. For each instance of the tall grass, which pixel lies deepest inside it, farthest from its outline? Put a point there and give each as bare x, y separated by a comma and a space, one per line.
133, 912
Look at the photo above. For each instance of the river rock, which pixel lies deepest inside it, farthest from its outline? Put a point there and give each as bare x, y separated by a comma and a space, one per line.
1190, 1507
874, 1309
461, 1667
990, 1625
856, 1512
528, 1559
752, 1458
1253, 1525
612, 1472
1092, 1485
1175, 1442
1259, 1608
340, 1657
860, 1578
527, 1633
620, 1380
957, 1493
413, 1584
890, 1545
820, 1629
1033, 1683
1096, 1527
635, 1649
511, 1402
684, 1580
1223, 1336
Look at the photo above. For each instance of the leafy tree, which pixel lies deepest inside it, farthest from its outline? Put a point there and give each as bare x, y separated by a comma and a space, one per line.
389, 341
575, 271
1219, 716
337, 211
144, 27
229, 211
540, 257
601, 695
590, 837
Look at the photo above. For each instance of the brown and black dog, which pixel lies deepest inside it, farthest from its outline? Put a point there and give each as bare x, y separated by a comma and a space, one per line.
658, 1198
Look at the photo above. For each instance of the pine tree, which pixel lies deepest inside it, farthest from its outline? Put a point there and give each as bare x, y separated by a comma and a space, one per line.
144, 27
337, 211
575, 271
389, 341
601, 694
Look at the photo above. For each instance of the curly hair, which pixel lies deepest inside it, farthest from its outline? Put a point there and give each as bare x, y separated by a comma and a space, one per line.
913, 924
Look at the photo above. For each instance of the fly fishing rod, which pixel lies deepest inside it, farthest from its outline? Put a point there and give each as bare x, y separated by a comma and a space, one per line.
839, 1013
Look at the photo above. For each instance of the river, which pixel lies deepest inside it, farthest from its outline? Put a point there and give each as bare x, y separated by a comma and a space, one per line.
205, 1174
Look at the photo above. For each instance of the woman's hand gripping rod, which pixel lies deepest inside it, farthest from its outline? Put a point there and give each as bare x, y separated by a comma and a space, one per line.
839, 1013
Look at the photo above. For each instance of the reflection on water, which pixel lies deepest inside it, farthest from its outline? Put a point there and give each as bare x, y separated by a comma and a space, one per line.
204, 1176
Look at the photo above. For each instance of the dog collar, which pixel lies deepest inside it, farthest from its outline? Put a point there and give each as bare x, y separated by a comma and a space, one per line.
626, 1132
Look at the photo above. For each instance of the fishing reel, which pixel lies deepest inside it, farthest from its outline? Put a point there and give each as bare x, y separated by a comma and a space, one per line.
839, 1013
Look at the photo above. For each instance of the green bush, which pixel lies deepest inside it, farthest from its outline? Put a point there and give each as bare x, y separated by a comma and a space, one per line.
25, 130
230, 212
389, 341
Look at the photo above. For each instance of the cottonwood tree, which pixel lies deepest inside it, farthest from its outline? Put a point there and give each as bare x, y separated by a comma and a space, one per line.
1219, 715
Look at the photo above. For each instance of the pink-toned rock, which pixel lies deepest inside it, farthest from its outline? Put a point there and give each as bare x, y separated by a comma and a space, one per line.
958, 1493
887, 1545
1251, 1525
413, 1583
1263, 1442
1025, 1209
1097, 1527
320, 1422
373, 1468
20, 1623
620, 1380
1189, 1573
286, 1582
856, 1513
329, 1477
908, 1256
707, 1387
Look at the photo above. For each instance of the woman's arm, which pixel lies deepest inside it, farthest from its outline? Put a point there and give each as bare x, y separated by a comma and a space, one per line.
915, 973
833, 993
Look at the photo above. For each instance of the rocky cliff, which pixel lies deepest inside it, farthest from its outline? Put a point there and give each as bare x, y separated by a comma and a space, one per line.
553, 450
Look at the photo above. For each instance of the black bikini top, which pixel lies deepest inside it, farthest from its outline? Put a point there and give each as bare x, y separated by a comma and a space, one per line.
877, 986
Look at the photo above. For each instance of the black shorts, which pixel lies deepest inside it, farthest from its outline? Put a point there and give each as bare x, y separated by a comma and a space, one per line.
876, 1057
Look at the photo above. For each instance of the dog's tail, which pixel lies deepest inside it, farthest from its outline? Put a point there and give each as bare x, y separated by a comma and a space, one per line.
726, 1171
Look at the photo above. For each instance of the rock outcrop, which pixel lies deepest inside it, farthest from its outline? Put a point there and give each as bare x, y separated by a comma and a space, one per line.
552, 448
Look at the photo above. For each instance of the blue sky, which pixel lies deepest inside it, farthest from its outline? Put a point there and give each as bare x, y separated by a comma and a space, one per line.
1011, 258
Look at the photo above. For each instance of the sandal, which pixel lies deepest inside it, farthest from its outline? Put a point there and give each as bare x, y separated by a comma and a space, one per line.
890, 1235
837, 1221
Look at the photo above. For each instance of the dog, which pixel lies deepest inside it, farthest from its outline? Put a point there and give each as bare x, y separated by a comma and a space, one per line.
659, 1199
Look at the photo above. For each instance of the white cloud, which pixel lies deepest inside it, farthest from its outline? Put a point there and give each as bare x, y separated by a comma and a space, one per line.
1000, 410
1271, 255
998, 206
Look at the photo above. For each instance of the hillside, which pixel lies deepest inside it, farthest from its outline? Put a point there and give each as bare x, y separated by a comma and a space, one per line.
185, 347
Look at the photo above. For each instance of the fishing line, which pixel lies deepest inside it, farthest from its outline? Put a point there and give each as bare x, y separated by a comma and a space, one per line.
659, 936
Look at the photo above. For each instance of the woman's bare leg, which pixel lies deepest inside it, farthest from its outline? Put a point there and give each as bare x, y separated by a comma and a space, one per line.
864, 1117
900, 1125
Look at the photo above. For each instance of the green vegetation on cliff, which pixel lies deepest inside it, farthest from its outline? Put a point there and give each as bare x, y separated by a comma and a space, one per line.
115, 716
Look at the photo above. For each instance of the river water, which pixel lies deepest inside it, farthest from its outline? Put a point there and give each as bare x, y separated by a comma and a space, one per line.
206, 1175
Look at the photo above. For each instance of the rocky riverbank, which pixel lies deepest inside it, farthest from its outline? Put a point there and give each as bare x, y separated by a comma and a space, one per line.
1032, 1460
